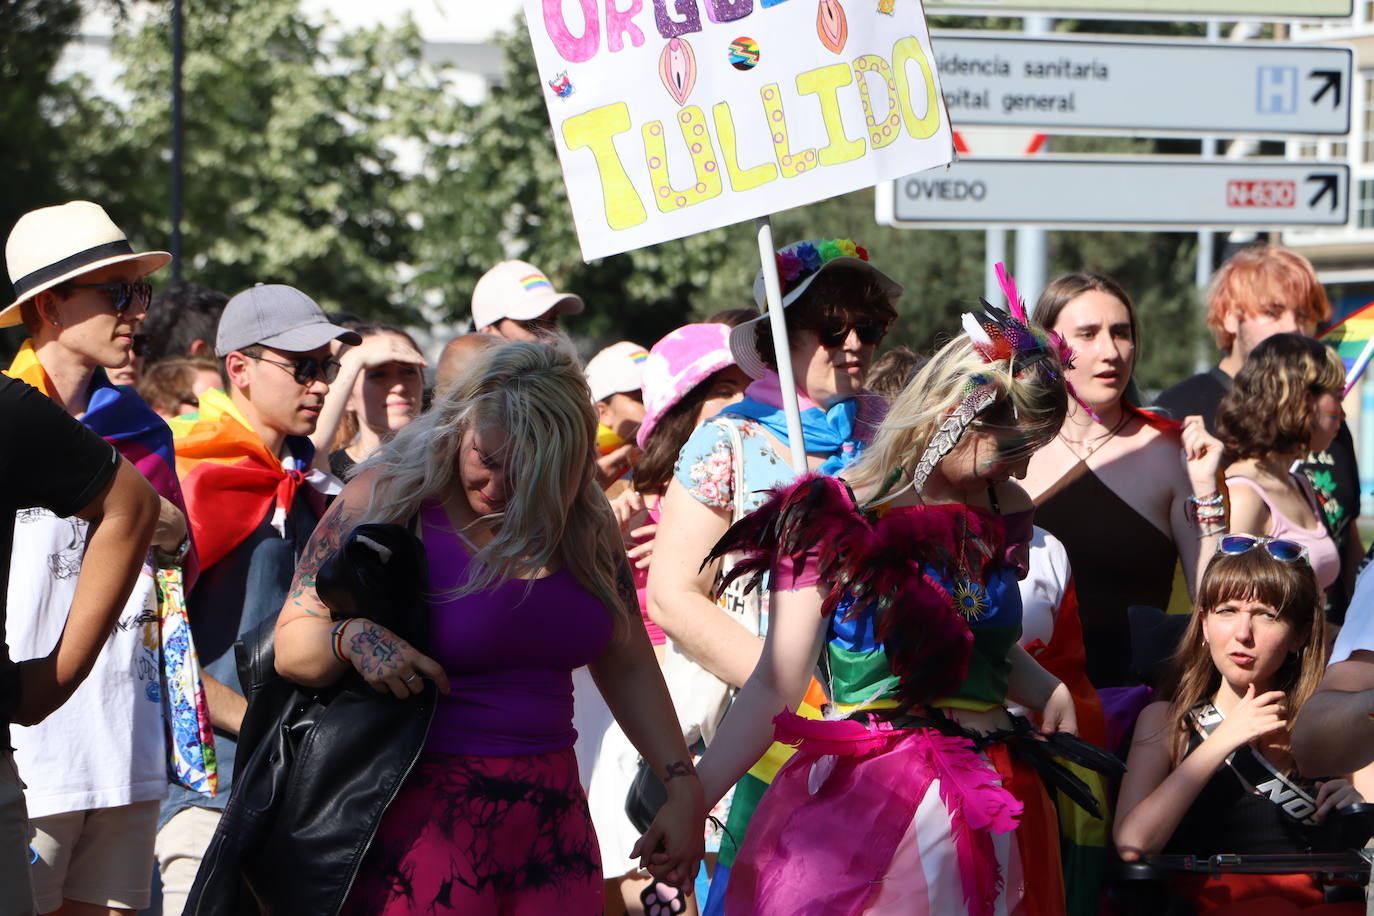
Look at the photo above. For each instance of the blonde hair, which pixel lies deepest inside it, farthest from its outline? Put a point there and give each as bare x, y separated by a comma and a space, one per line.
1032, 400
536, 395
1289, 588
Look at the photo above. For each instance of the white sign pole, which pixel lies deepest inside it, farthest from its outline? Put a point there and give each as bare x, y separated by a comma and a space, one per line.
768, 259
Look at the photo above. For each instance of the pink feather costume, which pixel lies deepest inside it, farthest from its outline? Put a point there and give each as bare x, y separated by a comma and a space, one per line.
866, 817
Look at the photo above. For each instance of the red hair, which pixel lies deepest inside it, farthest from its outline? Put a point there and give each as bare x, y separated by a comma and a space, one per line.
1259, 277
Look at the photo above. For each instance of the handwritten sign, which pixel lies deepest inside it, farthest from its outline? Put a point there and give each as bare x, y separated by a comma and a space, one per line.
672, 117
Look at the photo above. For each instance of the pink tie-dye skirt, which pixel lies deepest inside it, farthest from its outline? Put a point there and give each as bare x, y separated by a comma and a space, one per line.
483, 835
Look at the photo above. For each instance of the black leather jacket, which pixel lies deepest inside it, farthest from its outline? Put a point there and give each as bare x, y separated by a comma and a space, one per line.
318, 768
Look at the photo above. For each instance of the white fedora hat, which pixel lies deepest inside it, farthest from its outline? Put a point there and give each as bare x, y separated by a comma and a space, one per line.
54, 244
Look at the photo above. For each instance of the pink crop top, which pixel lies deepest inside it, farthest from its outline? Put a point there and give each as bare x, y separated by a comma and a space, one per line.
1321, 550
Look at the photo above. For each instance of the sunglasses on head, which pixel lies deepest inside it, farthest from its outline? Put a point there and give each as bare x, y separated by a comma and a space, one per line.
306, 369
834, 335
123, 295
1286, 551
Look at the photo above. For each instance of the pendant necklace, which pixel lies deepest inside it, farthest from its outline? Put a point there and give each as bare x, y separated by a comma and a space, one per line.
1100, 440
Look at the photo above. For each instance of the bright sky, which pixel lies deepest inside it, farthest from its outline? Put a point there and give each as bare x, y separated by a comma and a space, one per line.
439, 20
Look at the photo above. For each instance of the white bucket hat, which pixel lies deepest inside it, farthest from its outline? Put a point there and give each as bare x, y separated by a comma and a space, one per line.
54, 244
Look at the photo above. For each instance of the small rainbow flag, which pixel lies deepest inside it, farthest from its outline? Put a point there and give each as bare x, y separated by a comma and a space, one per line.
535, 281
1353, 339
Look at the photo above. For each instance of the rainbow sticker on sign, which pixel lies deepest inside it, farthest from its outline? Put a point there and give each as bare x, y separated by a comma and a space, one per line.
535, 281
744, 53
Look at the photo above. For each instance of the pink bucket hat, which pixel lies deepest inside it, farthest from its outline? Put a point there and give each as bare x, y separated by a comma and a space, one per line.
677, 364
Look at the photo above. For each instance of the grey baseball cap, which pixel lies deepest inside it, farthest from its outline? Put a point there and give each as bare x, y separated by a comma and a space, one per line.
277, 316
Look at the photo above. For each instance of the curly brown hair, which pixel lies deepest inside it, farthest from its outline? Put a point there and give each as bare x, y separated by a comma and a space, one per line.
1270, 408
846, 293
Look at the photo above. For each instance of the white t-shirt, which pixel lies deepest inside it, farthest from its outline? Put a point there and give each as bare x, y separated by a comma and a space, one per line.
104, 747
1358, 631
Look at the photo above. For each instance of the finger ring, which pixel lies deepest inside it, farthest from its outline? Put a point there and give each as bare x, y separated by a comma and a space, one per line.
409, 679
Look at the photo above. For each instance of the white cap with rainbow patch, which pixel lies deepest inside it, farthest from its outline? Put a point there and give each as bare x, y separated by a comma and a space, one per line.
616, 369
517, 290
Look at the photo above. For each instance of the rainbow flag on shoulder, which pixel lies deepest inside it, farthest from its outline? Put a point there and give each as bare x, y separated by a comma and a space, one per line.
1353, 340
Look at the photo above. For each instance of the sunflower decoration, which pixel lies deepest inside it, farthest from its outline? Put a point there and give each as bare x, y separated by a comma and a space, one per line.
970, 599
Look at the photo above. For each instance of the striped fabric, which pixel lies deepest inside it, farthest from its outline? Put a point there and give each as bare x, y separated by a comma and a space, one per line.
230, 478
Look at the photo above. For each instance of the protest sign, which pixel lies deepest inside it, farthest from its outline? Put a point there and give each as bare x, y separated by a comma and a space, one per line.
672, 117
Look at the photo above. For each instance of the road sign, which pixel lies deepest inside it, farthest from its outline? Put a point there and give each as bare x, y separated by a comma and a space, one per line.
1143, 87
1146, 9
1082, 192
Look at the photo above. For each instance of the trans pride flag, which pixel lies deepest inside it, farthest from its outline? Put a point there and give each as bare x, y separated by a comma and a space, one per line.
1353, 339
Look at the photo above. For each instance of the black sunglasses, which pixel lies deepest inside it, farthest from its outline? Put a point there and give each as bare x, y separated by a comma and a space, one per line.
834, 335
123, 295
306, 369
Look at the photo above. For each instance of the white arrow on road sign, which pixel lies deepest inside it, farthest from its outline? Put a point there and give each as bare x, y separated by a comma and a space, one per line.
1143, 87
1150, 9
1083, 192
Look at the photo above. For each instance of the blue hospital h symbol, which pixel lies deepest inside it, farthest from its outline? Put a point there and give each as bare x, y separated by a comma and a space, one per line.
1276, 90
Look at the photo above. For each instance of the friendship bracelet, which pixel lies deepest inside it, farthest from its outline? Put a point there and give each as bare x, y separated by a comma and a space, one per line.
336, 639
1211, 499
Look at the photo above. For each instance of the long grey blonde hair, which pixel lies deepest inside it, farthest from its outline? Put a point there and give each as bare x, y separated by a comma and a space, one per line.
554, 513
1032, 400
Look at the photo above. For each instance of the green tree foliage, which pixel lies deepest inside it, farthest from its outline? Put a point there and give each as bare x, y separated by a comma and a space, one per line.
292, 140
32, 146
339, 163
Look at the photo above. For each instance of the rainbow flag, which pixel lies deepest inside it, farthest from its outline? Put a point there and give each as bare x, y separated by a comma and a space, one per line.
1351, 339
231, 479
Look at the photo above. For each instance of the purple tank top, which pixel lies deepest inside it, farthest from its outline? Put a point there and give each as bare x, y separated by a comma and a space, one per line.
509, 653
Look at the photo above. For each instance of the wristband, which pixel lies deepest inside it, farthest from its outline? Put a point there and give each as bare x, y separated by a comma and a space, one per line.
336, 638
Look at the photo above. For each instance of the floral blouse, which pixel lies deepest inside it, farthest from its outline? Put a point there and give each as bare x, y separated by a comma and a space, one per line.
706, 464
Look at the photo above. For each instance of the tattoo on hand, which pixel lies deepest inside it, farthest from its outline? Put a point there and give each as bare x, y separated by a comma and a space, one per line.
678, 768
375, 650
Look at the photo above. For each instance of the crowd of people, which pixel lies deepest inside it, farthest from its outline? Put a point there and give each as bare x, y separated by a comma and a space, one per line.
655, 657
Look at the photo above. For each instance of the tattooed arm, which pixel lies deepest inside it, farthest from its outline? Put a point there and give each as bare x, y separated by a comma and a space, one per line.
631, 682
307, 641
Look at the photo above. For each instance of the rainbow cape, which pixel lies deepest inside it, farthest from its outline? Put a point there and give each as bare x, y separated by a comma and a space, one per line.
231, 479
119, 416
1349, 338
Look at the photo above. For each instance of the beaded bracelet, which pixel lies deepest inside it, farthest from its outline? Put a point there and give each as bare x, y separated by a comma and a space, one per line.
1200, 509
336, 639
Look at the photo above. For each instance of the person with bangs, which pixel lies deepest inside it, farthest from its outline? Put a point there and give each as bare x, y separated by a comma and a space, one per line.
900, 577
838, 307
1113, 476
378, 391
1286, 403
528, 581
1211, 760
